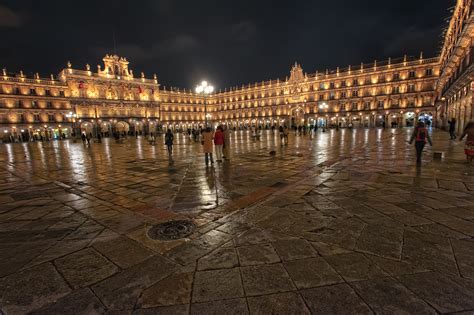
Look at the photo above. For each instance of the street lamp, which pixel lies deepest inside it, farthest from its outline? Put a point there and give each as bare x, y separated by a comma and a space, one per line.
204, 89
73, 116
324, 106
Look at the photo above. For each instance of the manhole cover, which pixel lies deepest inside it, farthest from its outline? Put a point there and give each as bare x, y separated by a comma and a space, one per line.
171, 230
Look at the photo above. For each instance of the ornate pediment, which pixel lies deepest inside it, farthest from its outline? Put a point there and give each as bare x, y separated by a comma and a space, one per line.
296, 84
296, 73
115, 65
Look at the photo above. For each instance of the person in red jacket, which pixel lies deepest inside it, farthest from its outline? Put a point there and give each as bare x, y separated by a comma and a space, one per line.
420, 135
219, 142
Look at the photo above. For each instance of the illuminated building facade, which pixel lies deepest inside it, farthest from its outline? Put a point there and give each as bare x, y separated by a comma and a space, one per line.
111, 98
456, 81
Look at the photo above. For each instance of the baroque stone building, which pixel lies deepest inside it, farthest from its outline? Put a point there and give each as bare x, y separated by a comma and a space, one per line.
112, 98
456, 82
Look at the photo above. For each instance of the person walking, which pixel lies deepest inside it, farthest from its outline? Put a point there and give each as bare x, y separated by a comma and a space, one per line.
207, 137
421, 136
219, 143
282, 134
226, 143
169, 137
452, 128
83, 137
469, 145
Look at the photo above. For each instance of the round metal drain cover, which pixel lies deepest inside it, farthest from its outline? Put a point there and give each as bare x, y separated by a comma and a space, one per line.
171, 230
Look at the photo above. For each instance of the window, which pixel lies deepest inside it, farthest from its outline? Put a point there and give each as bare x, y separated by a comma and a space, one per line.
355, 93
51, 118
34, 104
411, 74
321, 97
321, 85
16, 91
396, 76
354, 106
343, 94
36, 117
22, 118
331, 85
343, 84
395, 89
411, 88
429, 72
32, 91
47, 92
381, 78
355, 82
367, 105
49, 105
411, 103
380, 104
332, 95
367, 81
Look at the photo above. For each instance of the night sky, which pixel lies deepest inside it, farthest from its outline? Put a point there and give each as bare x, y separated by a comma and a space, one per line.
226, 42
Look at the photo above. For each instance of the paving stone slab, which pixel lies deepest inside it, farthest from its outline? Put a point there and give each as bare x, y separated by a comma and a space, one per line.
325, 249
85, 267
224, 257
294, 249
355, 267
31, 289
266, 279
162, 310
121, 291
437, 253
231, 306
396, 267
123, 251
381, 240
280, 303
311, 272
220, 284
82, 302
173, 290
446, 294
386, 296
257, 255
464, 252
334, 299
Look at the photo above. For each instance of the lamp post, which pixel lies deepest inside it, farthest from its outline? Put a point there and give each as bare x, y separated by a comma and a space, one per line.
324, 106
204, 89
73, 116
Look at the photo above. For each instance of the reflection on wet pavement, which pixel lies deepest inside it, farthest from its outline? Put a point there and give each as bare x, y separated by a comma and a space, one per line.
346, 212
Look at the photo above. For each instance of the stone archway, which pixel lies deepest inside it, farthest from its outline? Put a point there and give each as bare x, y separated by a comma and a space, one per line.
86, 127
122, 126
296, 116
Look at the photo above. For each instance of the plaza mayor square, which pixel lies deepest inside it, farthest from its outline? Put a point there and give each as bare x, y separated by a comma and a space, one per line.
236, 157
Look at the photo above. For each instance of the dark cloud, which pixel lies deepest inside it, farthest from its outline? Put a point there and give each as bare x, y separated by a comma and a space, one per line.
9, 18
243, 31
413, 39
227, 42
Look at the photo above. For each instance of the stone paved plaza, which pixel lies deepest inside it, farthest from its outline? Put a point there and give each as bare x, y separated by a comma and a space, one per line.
341, 223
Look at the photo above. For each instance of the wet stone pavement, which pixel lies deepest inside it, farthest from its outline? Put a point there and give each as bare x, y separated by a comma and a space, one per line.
344, 222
